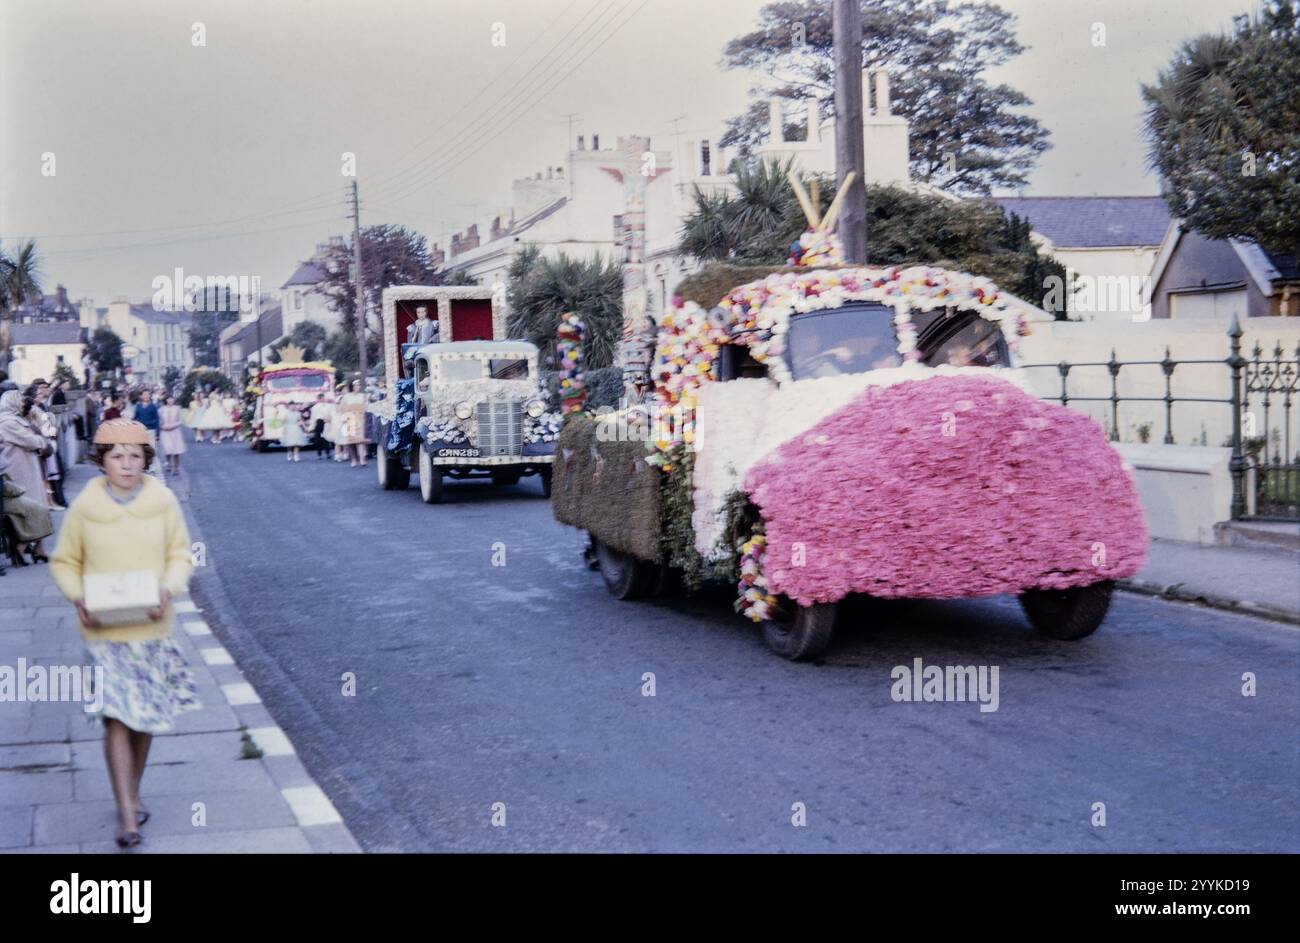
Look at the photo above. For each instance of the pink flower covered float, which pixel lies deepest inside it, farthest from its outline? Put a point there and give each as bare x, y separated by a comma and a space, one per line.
950, 486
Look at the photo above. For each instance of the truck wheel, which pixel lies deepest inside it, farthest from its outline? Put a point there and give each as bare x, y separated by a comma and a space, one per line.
626, 577
430, 480
505, 478
1068, 614
800, 632
546, 474
392, 476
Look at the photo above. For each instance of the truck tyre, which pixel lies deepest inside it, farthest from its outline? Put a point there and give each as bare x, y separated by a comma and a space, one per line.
801, 632
546, 474
392, 476
1068, 614
430, 480
626, 576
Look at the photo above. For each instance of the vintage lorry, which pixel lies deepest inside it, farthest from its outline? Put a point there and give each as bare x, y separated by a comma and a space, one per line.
461, 400
820, 434
284, 390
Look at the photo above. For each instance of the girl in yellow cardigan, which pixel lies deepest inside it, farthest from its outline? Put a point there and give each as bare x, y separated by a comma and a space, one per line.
128, 520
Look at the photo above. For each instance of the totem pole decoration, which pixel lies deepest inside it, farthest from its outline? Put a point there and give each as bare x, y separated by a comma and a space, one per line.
819, 245
637, 347
568, 354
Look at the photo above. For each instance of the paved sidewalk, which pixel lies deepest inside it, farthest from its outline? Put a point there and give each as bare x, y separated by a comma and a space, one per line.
1253, 580
206, 786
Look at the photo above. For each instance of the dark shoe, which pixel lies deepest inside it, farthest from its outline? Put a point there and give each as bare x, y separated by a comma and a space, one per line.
141, 816
39, 557
129, 840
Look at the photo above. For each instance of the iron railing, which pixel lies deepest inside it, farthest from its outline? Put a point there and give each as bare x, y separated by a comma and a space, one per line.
1265, 458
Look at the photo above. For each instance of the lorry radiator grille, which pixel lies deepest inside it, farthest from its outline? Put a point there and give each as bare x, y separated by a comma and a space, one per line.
500, 427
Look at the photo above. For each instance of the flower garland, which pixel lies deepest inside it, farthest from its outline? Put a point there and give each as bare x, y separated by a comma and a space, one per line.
816, 249
687, 348
754, 602
545, 428
442, 429
758, 315
568, 350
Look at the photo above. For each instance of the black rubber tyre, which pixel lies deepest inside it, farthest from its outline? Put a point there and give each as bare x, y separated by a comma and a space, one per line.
430, 480
1068, 614
801, 632
392, 476
505, 477
626, 577
546, 474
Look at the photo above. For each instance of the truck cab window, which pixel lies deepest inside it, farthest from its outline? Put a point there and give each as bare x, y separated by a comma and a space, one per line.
509, 369
960, 339
452, 370
735, 362
854, 338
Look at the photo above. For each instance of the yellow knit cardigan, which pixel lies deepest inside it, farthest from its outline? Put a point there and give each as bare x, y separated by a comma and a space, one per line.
101, 536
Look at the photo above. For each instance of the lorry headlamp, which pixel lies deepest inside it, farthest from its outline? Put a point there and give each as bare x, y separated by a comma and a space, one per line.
535, 407
464, 410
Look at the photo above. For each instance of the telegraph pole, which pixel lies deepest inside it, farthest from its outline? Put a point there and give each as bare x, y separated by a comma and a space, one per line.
846, 24
361, 294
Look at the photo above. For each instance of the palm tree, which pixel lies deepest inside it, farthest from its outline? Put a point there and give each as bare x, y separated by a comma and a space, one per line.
542, 288
756, 224
19, 283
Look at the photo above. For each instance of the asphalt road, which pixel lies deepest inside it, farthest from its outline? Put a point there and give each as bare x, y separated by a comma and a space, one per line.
522, 684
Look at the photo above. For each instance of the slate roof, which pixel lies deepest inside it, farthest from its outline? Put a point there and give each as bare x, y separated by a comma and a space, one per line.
1078, 222
246, 336
307, 273
154, 315
51, 332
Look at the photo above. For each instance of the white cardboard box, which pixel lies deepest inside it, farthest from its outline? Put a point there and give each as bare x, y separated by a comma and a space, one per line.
121, 598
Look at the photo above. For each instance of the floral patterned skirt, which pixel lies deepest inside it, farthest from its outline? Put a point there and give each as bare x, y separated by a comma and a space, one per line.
146, 684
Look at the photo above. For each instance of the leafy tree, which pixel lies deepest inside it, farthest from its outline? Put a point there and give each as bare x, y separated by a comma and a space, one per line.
205, 335
309, 336
390, 255
461, 277
966, 135
204, 379
171, 377
757, 225
106, 350
1223, 124
541, 288
67, 375
340, 349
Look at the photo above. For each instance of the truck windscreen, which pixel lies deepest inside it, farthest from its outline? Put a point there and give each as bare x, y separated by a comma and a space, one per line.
306, 381
854, 338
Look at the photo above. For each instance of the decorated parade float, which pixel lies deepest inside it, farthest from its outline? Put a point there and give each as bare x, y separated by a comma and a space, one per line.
461, 401
282, 391
819, 433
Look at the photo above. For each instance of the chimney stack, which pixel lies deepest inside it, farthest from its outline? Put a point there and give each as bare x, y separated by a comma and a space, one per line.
882, 94
775, 123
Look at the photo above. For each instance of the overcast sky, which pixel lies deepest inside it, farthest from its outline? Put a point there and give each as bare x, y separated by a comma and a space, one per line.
225, 159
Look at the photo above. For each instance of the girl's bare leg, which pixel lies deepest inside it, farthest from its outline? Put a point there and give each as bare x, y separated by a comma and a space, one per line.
120, 756
140, 744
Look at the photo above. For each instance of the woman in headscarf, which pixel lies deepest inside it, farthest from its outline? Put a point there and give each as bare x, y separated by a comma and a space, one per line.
21, 448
